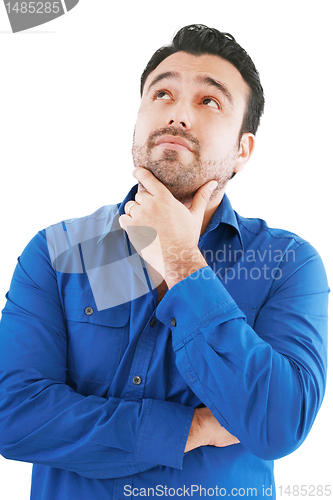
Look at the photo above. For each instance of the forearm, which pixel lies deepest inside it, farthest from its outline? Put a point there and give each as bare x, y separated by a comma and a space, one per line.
263, 408
48, 423
43, 419
264, 386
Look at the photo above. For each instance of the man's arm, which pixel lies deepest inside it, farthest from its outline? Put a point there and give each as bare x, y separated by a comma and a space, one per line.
263, 384
43, 420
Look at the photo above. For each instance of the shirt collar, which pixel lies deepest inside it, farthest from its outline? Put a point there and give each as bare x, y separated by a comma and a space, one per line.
112, 224
223, 214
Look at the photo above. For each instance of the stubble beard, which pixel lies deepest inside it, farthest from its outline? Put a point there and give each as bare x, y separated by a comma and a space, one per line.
183, 179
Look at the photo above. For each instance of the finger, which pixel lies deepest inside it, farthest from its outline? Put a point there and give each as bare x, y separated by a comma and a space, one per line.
130, 206
149, 181
202, 197
123, 221
126, 221
142, 196
141, 188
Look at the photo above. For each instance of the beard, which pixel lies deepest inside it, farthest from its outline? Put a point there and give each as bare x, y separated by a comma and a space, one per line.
182, 178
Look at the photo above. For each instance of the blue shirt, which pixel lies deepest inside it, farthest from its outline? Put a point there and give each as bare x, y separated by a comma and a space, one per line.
98, 381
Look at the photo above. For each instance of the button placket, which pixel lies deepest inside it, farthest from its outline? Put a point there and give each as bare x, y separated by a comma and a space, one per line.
141, 362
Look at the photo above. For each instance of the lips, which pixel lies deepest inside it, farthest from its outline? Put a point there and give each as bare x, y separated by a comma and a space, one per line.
170, 139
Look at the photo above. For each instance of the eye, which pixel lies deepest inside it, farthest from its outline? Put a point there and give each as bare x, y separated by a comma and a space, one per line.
161, 94
212, 103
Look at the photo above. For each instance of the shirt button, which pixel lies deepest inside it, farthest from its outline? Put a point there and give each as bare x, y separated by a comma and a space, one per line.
137, 380
173, 321
88, 311
152, 322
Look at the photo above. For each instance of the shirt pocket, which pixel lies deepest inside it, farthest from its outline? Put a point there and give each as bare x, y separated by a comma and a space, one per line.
96, 342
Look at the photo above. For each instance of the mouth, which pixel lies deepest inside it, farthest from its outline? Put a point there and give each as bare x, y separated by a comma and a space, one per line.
171, 142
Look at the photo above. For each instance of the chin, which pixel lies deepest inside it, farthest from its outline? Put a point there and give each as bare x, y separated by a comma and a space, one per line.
185, 198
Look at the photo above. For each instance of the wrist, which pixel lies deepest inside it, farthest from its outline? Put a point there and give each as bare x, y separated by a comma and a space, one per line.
186, 263
192, 439
196, 437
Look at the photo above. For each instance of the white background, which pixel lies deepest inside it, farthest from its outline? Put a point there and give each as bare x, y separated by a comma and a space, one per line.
69, 95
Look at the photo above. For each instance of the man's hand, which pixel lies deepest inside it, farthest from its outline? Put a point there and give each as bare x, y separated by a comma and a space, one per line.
163, 231
205, 430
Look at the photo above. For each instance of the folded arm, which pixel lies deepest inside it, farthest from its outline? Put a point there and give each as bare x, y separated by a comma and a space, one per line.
43, 420
263, 384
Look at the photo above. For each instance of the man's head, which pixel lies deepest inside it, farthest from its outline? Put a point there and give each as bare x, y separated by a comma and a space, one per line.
205, 90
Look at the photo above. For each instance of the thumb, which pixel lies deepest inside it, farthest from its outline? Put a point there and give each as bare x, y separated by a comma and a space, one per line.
202, 197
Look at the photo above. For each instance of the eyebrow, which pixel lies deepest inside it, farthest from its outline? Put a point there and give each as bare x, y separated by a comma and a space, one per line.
208, 80
163, 76
205, 79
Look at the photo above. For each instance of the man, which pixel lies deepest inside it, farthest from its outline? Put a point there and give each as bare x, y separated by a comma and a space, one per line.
167, 346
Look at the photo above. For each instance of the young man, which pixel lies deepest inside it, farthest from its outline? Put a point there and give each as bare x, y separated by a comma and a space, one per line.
166, 346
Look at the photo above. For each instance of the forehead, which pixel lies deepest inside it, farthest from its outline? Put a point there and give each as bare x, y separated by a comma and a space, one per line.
190, 66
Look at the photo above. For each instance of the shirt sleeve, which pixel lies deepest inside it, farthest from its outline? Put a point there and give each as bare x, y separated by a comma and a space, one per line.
43, 420
264, 384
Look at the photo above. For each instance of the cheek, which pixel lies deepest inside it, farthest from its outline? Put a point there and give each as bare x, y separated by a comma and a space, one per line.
143, 128
215, 143
217, 140
146, 120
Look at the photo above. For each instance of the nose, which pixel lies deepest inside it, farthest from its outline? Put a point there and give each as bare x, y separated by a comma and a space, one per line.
180, 115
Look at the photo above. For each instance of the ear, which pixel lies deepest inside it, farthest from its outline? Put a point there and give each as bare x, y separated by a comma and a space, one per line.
246, 147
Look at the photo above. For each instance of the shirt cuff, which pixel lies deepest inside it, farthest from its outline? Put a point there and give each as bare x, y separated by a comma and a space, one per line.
195, 301
164, 433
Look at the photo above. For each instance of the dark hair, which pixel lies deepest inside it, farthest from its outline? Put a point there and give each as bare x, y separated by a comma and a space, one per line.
198, 39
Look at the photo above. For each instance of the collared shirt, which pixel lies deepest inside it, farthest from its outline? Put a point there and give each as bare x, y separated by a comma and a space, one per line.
99, 381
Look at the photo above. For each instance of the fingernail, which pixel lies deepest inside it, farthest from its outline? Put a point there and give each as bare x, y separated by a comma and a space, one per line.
212, 186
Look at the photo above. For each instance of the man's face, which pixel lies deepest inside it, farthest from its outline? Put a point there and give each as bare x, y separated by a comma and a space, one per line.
187, 130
